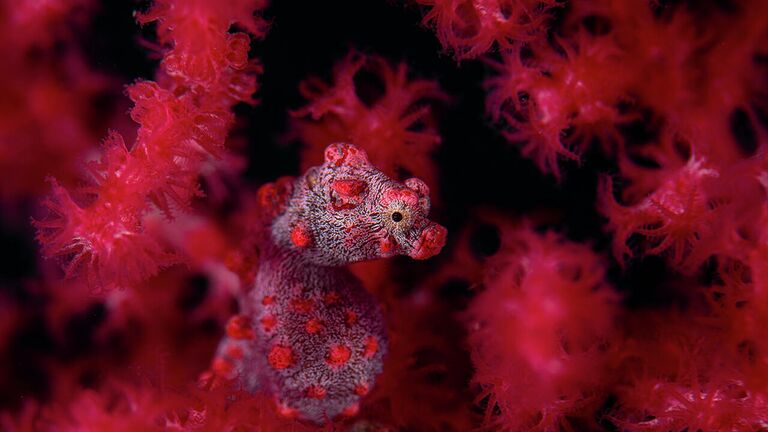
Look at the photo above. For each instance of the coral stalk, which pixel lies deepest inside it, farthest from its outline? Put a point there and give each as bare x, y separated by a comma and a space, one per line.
100, 231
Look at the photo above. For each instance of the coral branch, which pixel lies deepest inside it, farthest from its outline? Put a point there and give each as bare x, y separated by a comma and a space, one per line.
395, 128
183, 121
544, 314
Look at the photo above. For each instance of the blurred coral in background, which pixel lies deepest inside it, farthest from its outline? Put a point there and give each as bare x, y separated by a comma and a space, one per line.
601, 167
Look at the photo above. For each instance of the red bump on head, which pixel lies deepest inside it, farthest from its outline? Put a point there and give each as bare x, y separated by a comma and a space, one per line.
430, 242
343, 153
371, 347
313, 326
239, 328
418, 186
268, 322
280, 357
268, 300
407, 196
338, 355
301, 237
315, 392
349, 188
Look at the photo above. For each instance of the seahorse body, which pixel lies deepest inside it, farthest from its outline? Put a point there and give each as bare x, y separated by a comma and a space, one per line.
309, 332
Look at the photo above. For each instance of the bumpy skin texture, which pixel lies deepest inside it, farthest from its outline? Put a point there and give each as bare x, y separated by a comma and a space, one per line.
348, 211
310, 334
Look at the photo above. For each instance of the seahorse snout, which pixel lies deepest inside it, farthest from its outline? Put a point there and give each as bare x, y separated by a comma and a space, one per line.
430, 243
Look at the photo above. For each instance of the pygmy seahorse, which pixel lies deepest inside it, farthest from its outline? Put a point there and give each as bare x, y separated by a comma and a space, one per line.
309, 333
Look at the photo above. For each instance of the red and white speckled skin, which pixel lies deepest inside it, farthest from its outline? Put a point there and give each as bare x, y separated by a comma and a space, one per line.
309, 332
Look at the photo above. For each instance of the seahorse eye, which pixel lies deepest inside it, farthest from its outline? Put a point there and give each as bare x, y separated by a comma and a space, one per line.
397, 216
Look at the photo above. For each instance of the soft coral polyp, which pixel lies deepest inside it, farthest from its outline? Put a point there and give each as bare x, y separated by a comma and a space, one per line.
396, 129
544, 315
678, 218
469, 28
554, 89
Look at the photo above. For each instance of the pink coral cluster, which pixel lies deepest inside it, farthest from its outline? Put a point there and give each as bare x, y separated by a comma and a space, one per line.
470, 28
547, 315
692, 193
184, 120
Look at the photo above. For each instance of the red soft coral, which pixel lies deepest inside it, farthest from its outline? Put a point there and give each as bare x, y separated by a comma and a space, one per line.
469, 28
125, 406
182, 123
537, 331
678, 218
203, 54
543, 97
396, 130
675, 376
693, 76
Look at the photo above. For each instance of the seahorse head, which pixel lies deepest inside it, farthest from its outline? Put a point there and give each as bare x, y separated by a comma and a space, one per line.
346, 210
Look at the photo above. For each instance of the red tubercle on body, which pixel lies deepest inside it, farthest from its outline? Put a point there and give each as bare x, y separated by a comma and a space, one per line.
281, 357
220, 374
239, 328
234, 351
338, 355
331, 298
313, 326
302, 305
316, 392
350, 317
301, 237
222, 367
268, 322
362, 389
371, 347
